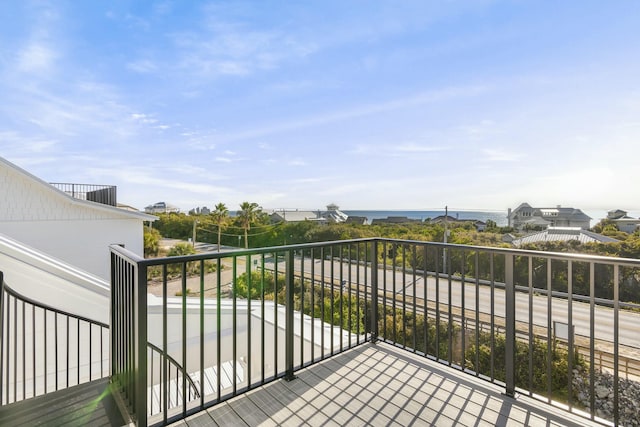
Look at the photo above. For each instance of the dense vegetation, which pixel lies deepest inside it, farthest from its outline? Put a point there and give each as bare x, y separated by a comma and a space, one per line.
414, 331
264, 234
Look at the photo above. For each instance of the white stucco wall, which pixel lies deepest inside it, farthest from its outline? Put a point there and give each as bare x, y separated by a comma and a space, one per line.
82, 243
75, 231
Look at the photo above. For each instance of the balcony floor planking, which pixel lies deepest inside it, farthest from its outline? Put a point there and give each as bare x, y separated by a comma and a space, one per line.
89, 404
381, 385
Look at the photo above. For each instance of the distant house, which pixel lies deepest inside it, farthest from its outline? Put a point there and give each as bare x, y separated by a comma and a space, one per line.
73, 230
559, 234
295, 216
442, 218
624, 222
200, 211
479, 225
333, 214
527, 217
360, 220
617, 214
628, 225
161, 207
394, 220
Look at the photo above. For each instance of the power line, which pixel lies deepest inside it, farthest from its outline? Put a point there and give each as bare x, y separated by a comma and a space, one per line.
239, 234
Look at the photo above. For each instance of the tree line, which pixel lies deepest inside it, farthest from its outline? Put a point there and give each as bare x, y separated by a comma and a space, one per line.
251, 227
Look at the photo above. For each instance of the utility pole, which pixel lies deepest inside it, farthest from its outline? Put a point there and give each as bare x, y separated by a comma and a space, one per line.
446, 232
446, 218
195, 221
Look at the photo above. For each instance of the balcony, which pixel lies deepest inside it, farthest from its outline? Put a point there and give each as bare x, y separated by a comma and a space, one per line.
104, 194
370, 331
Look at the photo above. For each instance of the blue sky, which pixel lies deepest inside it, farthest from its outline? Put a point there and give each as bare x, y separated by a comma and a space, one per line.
367, 104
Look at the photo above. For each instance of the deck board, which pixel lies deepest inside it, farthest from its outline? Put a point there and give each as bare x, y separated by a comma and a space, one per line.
381, 385
89, 404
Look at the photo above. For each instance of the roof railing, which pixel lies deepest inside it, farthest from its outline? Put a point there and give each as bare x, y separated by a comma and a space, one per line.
104, 194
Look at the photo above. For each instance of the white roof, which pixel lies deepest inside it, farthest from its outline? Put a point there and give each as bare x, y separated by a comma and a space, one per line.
557, 234
87, 204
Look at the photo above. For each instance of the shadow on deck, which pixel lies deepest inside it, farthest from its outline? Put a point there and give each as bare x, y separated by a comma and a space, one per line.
377, 385
89, 404
381, 385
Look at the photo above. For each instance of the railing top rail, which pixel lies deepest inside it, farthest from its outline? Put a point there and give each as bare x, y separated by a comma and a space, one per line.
93, 186
127, 254
38, 304
539, 254
237, 252
627, 262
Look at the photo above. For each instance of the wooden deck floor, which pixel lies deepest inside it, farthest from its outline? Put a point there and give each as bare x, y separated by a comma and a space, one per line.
372, 385
90, 404
380, 385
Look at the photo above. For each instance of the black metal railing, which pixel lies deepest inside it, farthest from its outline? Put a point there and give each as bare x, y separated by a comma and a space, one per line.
104, 194
167, 386
43, 349
532, 322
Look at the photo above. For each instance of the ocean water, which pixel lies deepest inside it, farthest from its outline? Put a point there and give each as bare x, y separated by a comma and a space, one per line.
499, 217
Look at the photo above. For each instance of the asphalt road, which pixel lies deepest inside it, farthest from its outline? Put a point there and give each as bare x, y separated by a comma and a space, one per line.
397, 282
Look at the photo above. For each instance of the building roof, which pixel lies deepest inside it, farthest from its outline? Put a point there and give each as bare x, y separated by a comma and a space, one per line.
74, 201
295, 216
356, 220
558, 234
161, 207
616, 214
556, 211
442, 218
334, 215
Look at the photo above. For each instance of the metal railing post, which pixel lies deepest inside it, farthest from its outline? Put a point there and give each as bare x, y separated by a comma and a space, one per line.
290, 277
374, 291
113, 371
510, 327
140, 328
2, 302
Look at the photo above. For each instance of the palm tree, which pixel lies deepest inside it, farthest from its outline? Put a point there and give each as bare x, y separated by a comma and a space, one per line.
248, 214
220, 216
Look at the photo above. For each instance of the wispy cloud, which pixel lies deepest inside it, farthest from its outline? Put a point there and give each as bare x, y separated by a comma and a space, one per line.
143, 66
498, 155
416, 148
13, 141
426, 97
234, 47
36, 57
400, 150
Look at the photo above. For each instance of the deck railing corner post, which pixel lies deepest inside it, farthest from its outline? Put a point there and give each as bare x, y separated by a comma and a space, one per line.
141, 345
510, 326
374, 291
289, 308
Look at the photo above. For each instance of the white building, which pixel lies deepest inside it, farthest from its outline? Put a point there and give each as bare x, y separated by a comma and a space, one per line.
525, 216
161, 207
295, 215
331, 215
76, 231
623, 221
